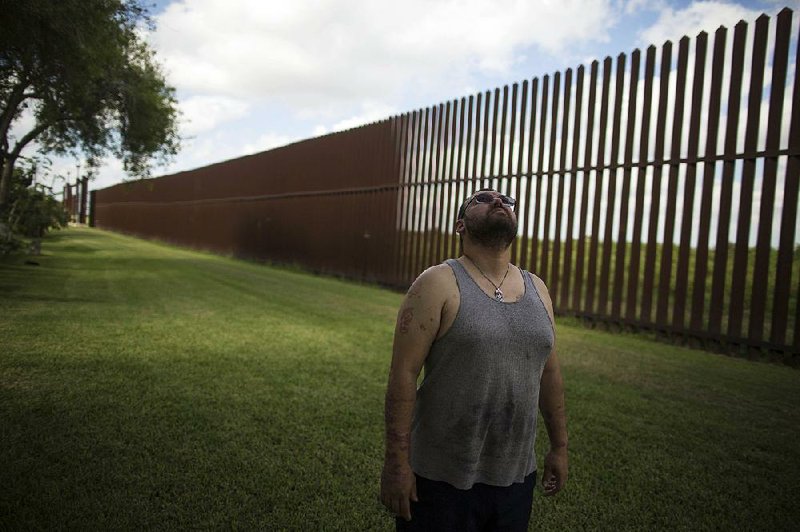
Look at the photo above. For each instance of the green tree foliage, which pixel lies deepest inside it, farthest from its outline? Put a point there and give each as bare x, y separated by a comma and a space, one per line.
93, 86
31, 212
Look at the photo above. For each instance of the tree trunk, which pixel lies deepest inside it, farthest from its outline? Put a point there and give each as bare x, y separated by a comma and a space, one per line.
5, 185
36, 246
7, 159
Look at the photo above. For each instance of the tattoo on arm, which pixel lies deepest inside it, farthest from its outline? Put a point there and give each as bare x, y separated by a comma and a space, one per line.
405, 320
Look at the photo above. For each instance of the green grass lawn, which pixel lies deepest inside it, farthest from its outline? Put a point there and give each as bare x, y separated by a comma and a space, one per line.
145, 386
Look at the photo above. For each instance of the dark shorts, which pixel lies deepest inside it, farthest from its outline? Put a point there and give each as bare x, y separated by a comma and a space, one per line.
482, 507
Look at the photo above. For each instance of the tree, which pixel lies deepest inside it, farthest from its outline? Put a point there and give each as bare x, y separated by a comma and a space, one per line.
92, 84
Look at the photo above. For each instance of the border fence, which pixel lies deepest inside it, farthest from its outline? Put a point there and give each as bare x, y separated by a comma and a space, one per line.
657, 191
76, 200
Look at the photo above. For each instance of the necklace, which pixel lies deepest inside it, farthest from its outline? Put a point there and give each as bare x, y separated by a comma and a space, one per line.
498, 294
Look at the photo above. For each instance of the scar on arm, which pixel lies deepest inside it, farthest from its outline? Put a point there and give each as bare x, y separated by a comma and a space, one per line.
398, 442
405, 320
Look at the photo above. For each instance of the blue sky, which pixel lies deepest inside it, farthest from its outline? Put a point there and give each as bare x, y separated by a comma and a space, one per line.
257, 74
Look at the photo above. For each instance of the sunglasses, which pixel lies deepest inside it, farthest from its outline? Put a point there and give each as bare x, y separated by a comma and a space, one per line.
486, 197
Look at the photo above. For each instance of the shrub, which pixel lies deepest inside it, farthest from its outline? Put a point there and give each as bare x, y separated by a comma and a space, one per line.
31, 214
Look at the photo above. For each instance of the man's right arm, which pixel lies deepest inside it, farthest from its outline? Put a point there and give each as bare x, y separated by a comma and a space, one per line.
417, 325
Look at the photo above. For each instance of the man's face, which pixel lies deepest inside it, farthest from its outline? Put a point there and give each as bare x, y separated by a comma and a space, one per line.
489, 222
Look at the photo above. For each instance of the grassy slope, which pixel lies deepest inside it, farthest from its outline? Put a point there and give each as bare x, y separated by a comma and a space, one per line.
147, 386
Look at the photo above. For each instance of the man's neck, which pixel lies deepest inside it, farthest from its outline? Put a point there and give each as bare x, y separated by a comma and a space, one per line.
491, 261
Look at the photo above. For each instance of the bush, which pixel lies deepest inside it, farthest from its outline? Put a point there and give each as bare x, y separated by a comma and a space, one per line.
31, 214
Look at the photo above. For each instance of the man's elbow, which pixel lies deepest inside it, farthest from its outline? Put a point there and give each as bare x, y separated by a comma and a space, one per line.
403, 376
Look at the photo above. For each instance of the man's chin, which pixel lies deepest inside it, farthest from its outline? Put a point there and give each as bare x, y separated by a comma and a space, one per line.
494, 240
497, 244
493, 231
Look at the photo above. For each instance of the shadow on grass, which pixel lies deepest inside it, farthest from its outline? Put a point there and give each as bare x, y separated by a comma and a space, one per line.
63, 234
17, 295
78, 248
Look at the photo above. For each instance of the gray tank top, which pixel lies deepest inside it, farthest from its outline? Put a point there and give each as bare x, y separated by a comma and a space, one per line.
476, 409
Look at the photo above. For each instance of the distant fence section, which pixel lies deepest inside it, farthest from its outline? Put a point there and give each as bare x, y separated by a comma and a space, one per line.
328, 204
75, 200
657, 191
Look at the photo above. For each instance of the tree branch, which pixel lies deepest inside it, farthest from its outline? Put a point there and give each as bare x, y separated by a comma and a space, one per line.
7, 116
27, 138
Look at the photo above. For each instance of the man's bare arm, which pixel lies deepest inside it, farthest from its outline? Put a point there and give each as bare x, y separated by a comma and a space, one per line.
418, 323
551, 404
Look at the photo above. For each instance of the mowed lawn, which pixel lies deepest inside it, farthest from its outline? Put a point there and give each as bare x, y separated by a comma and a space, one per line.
144, 386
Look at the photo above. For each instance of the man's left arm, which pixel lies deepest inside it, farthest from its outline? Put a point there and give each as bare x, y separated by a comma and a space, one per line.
551, 404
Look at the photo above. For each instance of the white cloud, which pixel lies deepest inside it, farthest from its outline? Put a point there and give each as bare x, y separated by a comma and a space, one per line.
267, 141
370, 112
320, 130
632, 6
208, 149
310, 53
108, 174
204, 113
696, 17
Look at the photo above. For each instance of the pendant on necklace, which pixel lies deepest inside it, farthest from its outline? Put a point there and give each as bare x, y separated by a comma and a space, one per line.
498, 294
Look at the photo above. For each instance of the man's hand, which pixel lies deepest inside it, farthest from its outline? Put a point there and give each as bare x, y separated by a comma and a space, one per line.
555, 471
398, 489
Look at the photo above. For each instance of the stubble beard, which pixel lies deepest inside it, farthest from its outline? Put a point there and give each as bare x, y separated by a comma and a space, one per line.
493, 231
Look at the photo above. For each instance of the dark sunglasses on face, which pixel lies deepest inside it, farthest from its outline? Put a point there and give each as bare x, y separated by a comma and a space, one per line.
486, 197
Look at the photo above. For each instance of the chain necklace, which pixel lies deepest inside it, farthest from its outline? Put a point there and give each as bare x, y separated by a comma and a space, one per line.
498, 294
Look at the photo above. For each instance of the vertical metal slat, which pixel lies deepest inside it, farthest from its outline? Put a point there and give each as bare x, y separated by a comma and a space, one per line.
687, 222
758, 295
783, 272
716, 305
741, 251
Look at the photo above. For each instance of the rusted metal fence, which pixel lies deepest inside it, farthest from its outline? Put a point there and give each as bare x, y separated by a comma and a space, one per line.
657, 192
76, 200
328, 204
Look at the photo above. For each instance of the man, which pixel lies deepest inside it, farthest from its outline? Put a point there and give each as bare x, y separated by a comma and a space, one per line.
460, 449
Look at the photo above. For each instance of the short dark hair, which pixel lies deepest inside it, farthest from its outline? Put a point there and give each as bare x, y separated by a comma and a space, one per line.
465, 204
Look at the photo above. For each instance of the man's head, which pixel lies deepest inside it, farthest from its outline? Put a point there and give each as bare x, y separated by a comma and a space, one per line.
488, 218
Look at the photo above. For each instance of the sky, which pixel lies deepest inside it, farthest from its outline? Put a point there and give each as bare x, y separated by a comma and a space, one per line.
251, 75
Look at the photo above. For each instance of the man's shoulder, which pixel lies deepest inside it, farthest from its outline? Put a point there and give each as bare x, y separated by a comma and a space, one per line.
436, 281
544, 294
536, 279
436, 275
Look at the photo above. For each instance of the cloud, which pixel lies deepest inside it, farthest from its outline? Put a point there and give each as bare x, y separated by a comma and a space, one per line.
696, 17
370, 112
204, 113
308, 53
632, 6
109, 173
214, 147
267, 141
